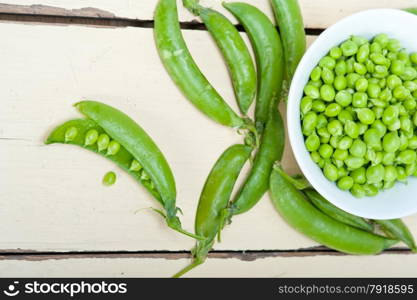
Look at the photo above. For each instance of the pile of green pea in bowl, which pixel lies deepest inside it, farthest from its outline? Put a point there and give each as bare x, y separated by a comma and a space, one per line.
359, 114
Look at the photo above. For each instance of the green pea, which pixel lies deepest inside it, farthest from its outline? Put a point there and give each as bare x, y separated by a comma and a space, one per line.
394, 126
365, 115
412, 142
410, 169
413, 57
390, 115
103, 142
397, 67
334, 141
390, 173
373, 90
388, 184
410, 104
341, 68
410, 85
135, 166
409, 73
323, 132
341, 172
380, 127
340, 83
327, 62
359, 40
316, 74
91, 137
406, 123
358, 148
312, 91
144, 176
306, 104
363, 53
330, 171
382, 83
386, 95
113, 148
315, 156
317, 83
327, 92
353, 162
349, 48
392, 56
375, 174
393, 81
393, 45
359, 68
407, 157
345, 143
380, 71
382, 39
361, 85
327, 75
372, 138
344, 98
403, 142
415, 119
360, 100
332, 110
345, 183
375, 48
340, 154
312, 142
109, 179
318, 106
335, 127
321, 163
309, 121
351, 129
391, 142
344, 115
70, 134
339, 164
401, 174
379, 185
349, 65
400, 92
388, 158
378, 111
325, 151
335, 52
358, 191
362, 128
370, 190
378, 58
370, 67
359, 175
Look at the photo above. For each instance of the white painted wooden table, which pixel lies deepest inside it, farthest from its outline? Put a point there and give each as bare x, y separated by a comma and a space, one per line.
56, 217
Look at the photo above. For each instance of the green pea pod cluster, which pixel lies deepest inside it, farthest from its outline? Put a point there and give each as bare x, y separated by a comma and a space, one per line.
214, 200
235, 52
294, 207
111, 133
184, 71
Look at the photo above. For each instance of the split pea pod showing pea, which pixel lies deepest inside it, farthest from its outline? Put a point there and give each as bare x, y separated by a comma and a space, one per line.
336, 213
304, 217
267, 46
214, 199
290, 21
234, 50
257, 183
398, 230
184, 71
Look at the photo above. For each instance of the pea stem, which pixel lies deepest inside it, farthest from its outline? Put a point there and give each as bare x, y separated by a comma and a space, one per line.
194, 264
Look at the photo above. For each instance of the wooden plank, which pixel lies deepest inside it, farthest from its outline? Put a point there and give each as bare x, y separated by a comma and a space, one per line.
317, 13
386, 265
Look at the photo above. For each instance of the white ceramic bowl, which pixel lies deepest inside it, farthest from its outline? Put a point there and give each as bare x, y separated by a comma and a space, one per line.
399, 201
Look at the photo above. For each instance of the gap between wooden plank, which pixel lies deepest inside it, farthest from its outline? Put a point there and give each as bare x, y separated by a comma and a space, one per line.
105, 20
241, 255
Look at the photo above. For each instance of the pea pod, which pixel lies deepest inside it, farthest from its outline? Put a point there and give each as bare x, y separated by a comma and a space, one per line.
132, 146
257, 183
184, 71
304, 217
336, 213
397, 229
234, 50
214, 199
290, 21
267, 46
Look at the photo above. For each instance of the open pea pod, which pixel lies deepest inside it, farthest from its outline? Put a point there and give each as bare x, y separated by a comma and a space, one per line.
113, 134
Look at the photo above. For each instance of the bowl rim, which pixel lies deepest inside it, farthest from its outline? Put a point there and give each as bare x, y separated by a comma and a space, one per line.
296, 138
